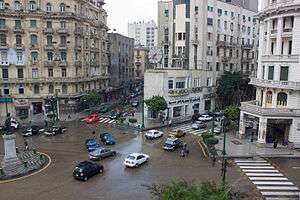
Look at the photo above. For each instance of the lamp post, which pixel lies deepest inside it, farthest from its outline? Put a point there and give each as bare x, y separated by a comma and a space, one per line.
143, 113
224, 163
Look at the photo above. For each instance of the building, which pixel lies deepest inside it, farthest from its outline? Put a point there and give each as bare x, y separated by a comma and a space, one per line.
200, 40
144, 33
141, 62
51, 48
121, 67
276, 109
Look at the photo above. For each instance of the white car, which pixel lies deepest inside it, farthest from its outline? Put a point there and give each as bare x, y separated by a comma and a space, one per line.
205, 118
13, 123
136, 159
153, 134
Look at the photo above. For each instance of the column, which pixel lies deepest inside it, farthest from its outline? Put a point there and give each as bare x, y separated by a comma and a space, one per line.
274, 99
242, 130
279, 32
268, 42
262, 130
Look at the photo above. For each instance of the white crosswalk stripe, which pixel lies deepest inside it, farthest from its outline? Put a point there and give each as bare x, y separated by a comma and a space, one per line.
105, 120
188, 129
269, 181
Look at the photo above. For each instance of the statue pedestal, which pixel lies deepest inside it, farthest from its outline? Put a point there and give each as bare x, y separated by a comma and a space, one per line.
10, 158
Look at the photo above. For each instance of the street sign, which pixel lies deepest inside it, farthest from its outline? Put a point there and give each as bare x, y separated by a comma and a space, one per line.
6, 100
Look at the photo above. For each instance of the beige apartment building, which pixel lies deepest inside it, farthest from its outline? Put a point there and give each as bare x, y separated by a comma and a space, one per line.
51, 48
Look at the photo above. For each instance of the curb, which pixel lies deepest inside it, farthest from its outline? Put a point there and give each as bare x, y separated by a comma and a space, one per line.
202, 148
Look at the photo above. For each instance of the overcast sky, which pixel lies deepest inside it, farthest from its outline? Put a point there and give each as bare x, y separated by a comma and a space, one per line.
120, 12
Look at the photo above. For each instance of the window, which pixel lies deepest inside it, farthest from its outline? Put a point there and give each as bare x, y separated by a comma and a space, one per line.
64, 89
63, 56
2, 6
2, 23
49, 40
33, 40
49, 24
4, 56
21, 89
219, 12
284, 73
219, 23
249, 30
19, 57
180, 85
5, 73
6, 91
179, 36
63, 72
36, 89
33, 24
208, 82
17, 5
290, 47
225, 25
2, 40
272, 48
166, 13
171, 84
49, 56
210, 21
231, 26
196, 10
51, 89
209, 36
63, 40
232, 14
20, 73
249, 19
48, 7
35, 73
210, 9
32, 5
282, 99
50, 72
34, 57
62, 7
269, 97
225, 12
271, 73
217, 66
18, 24
18, 40
62, 24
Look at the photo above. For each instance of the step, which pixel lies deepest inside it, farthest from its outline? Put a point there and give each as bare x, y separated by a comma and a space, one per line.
250, 161
290, 194
264, 174
268, 178
261, 170
253, 164
256, 167
282, 198
278, 188
272, 183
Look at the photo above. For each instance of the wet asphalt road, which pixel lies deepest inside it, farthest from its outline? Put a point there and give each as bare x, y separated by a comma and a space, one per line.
117, 182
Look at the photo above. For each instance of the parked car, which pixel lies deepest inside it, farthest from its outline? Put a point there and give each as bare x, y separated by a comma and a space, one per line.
14, 123
92, 145
172, 143
32, 130
135, 104
178, 133
136, 159
107, 138
101, 153
205, 118
103, 109
153, 134
85, 170
114, 115
55, 130
92, 118
199, 125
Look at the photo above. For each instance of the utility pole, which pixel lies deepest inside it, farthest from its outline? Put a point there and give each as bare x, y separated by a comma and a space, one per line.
224, 163
143, 113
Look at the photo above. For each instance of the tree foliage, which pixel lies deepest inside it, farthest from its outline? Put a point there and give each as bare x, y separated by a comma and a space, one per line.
233, 88
232, 113
157, 103
91, 98
182, 190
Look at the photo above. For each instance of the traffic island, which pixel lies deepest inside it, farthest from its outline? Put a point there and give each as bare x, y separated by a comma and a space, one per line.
29, 162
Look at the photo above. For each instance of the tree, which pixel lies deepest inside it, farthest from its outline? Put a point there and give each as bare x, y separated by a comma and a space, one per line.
232, 113
182, 190
233, 88
91, 98
157, 103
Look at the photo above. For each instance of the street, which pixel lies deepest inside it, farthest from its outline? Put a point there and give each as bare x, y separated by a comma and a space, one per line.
117, 182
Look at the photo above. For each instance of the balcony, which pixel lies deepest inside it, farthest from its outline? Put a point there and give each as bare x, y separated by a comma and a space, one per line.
34, 47
290, 85
4, 29
281, 58
62, 31
19, 30
19, 47
62, 47
247, 46
49, 63
20, 63
254, 108
48, 31
225, 58
49, 47
287, 32
246, 59
62, 63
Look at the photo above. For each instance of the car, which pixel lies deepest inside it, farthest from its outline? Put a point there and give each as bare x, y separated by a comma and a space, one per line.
114, 115
153, 134
32, 130
103, 109
85, 170
14, 123
172, 143
101, 153
92, 144
92, 118
178, 133
135, 104
199, 125
136, 159
205, 118
107, 138
55, 130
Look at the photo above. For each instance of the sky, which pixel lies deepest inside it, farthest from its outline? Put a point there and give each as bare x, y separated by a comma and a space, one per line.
120, 12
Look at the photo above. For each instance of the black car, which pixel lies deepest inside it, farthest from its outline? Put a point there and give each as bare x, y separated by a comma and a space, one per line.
32, 130
172, 143
85, 170
55, 130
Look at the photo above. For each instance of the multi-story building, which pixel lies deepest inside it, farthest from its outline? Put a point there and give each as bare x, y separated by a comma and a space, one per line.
200, 40
144, 33
47, 48
141, 62
277, 106
121, 67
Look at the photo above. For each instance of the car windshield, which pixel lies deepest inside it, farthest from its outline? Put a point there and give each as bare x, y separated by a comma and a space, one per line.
169, 141
77, 169
131, 157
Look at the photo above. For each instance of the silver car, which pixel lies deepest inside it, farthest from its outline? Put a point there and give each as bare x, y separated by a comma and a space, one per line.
101, 153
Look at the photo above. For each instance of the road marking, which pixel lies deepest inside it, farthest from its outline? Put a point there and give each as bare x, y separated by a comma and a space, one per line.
277, 188
280, 193
256, 167
102, 120
250, 161
253, 164
260, 170
268, 179
264, 174
111, 121
106, 120
271, 183
296, 167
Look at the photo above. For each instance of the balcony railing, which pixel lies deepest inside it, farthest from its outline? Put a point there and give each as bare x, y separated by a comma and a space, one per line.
255, 108
247, 46
281, 58
291, 85
184, 91
4, 62
62, 31
48, 31
62, 63
49, 63
49, 47
19, 30
4, 28
288, 30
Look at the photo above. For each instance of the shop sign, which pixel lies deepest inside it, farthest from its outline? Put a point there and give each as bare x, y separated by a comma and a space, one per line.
21, 103
182, 101
6, 100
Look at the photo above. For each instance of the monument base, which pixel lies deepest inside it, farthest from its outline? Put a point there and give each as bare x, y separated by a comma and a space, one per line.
10, 158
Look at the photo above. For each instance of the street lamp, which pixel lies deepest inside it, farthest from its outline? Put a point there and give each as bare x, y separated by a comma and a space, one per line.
224, 163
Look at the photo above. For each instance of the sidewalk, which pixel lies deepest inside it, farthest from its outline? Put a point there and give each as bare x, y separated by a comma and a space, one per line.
236, 147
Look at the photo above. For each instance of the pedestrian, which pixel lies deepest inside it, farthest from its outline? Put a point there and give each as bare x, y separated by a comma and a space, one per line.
46, 123
26, 145
69, 116
275, 143
170, 123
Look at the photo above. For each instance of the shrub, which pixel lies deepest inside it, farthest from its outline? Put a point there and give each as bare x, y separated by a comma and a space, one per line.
122, 119
212, 141
206, 135
132, 120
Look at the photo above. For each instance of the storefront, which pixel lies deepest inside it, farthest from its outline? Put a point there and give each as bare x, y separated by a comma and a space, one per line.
22, 108
184, 107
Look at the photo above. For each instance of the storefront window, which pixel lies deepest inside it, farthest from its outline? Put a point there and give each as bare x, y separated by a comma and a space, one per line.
177, 111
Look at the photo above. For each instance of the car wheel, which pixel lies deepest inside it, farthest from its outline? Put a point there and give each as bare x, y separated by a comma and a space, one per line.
85, 178
137, 165
101, 171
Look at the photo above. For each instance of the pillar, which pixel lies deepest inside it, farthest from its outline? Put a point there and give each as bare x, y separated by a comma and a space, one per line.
268, 42
10, 158
262, 130
279, 33
242, 130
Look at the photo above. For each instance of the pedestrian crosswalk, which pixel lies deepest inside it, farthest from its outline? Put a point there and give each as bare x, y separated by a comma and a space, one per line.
105, 120
188, 129
272, 184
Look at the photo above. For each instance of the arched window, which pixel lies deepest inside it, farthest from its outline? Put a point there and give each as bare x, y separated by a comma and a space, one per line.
2, 4
17, 5
51, 89
18, 40
269, 97
282, 99
48, 7
62, 7
33, 39
32, 5
34, 57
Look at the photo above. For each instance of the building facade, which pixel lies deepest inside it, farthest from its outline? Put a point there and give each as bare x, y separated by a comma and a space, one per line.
121, 67
277, 106
141, 62
200, 40
144, 33
51, 48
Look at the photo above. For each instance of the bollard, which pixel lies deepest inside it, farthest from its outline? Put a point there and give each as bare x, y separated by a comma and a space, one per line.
1, 171
25, 164
34, 151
